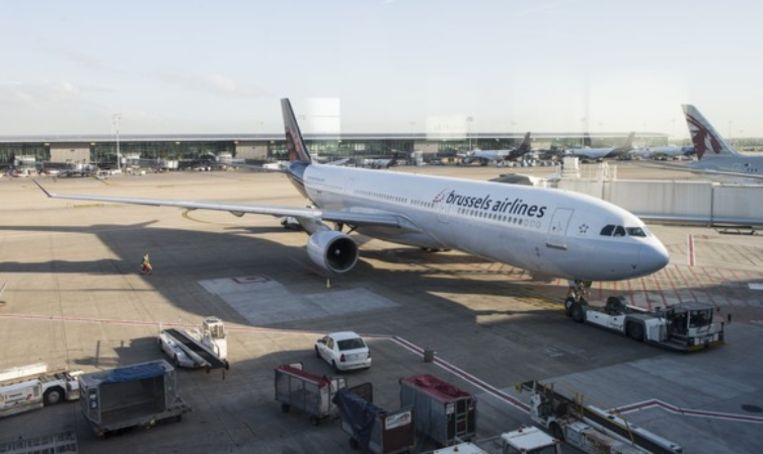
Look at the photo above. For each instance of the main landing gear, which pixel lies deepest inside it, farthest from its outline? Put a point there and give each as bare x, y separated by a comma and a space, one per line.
576, 297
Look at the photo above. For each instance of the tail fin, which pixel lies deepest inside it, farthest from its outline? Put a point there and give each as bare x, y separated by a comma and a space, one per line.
628, 145
294, 143
704, 136
586, 140
524, 147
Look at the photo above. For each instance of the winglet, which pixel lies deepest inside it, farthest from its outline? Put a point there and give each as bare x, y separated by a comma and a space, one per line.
41, 187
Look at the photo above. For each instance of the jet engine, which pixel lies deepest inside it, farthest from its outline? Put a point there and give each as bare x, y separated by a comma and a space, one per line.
333, 251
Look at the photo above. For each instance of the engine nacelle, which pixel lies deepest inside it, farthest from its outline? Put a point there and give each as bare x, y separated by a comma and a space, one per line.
333, 251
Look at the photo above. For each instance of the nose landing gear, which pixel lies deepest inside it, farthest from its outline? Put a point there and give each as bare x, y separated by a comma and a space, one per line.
576, 297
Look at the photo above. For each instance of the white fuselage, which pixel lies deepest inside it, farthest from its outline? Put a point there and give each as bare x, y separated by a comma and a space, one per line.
740, 165
591, 153
668, 151
546, 231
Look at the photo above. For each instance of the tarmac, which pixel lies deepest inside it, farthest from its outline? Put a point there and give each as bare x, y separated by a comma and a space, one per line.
75, 299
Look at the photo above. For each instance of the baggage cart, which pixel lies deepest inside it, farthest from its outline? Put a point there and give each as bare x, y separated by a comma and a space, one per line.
371, 428
441, 411
310, 393
142, 394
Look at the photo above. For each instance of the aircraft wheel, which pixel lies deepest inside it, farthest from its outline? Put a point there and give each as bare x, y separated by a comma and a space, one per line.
577, 312
568, 306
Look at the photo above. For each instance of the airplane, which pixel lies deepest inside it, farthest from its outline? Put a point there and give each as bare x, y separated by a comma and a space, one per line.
546, 231
603, 153
714, 154
663, 152
380, 163
487, 156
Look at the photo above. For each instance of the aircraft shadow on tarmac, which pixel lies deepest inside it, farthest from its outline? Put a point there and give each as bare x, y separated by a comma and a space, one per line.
181, 258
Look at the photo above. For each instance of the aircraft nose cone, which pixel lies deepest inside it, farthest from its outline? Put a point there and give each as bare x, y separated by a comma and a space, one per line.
654, 257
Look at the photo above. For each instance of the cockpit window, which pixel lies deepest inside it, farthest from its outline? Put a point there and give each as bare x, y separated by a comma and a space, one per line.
607, 230
635, 231
619, 231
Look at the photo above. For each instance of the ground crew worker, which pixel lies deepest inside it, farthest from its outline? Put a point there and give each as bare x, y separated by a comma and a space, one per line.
145, 266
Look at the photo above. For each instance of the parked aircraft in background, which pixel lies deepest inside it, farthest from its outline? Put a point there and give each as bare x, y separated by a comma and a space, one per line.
379, 163
665, 152
485, 157
714, 154
546, 231
598, 154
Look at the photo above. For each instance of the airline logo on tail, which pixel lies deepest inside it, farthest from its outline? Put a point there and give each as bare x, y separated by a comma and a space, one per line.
294, 143
703, 135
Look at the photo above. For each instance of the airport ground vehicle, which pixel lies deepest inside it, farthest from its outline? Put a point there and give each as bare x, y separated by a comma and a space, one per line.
195, 348
683, 327
344, 350
441, 411
311, 393
371, 428
529, 440
588, 428
29, 387
461, 448
142, 394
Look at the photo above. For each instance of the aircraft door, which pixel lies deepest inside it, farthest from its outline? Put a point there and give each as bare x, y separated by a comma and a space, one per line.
557, 229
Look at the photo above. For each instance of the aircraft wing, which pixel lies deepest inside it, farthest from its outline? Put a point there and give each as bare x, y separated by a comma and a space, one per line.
239, 209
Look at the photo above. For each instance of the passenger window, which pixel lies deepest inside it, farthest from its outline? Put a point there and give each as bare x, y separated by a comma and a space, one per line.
619, 231
635, 231
607, 230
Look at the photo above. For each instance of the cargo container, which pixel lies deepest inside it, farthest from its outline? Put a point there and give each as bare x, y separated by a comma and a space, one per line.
138, 395
441, 411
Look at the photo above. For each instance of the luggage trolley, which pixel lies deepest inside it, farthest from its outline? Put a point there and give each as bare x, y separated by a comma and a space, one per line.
310, 393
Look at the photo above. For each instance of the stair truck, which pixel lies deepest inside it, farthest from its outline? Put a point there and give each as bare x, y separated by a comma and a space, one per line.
207, 348
29, 387
591, 429
142, 394
682, 327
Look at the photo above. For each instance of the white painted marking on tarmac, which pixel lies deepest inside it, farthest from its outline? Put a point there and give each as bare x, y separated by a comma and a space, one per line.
656, 403
755, 286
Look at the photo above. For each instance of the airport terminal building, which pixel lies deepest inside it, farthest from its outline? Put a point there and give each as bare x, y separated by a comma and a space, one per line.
101, 149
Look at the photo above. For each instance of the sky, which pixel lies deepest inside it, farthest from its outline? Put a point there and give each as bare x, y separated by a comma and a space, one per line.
379, 66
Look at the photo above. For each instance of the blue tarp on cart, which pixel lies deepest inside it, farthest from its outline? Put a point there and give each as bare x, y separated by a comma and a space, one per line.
134, 373
359, 413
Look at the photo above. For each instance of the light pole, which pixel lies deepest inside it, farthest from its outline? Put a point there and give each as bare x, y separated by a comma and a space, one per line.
469, 121
583, 121
115, 121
